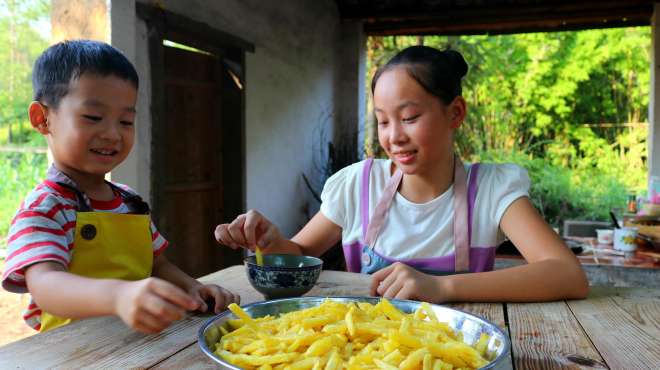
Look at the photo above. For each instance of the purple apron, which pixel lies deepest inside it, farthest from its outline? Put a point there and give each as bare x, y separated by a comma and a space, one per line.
362, 257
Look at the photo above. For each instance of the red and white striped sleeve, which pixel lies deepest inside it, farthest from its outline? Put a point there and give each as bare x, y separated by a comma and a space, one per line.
158, 242
41, 231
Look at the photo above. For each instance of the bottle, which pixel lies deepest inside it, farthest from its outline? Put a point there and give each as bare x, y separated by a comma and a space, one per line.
632, 203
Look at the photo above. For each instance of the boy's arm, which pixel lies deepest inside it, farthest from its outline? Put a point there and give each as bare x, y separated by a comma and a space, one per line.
166, 270
67, 295
204, 295
147, 305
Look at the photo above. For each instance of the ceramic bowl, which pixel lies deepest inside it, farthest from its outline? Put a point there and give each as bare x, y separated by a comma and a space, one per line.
283, 275
498, 349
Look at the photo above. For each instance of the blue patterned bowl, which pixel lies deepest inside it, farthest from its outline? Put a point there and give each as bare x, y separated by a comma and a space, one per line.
283, 275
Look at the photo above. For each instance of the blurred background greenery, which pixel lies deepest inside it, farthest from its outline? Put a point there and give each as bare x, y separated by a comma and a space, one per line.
24, 34
571, 107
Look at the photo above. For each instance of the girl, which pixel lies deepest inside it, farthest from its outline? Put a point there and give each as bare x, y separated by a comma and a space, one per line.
420, 219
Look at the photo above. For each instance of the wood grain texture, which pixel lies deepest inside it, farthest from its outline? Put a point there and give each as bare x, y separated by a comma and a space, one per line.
493, 312
190, 358
107, 343
623, 324
618, 327
548, 336
99, 342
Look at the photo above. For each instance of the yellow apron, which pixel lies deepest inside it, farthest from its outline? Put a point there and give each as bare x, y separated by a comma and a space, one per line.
108, 246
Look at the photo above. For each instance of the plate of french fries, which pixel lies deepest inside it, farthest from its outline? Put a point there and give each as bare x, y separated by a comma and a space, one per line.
335, 333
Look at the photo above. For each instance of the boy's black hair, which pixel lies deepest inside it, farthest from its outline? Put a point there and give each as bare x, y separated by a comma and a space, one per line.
66, 61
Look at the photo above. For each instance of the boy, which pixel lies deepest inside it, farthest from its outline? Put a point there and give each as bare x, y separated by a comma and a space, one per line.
83, 246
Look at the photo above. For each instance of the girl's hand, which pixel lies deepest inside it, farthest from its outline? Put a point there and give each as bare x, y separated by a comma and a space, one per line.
401, 281
220, 297
152, 304
247, 231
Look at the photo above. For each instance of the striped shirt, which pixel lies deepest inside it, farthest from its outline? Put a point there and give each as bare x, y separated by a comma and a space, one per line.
43, 230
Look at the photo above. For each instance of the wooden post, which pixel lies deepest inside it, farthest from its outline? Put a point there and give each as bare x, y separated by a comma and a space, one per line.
654, 96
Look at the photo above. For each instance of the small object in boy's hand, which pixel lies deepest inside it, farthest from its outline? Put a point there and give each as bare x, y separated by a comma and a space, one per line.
210, 306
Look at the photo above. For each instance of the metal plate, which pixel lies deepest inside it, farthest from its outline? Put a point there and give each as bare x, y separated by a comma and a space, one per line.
499, 346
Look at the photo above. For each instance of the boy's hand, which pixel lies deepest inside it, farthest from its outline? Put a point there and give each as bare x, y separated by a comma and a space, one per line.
401, 281
152, 304
215, 295
247, 231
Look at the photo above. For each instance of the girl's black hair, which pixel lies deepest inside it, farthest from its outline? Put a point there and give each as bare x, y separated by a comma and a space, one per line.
66, 61
438, 72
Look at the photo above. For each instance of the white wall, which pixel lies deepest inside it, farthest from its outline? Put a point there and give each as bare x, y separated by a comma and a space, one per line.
290, 87
126, 33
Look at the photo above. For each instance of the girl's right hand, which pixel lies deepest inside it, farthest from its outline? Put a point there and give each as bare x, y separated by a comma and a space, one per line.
152, 304
248, 230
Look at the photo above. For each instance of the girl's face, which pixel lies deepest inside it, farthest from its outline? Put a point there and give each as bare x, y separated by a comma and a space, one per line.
414, 127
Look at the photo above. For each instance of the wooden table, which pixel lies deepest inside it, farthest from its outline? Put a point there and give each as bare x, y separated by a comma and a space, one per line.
617, 328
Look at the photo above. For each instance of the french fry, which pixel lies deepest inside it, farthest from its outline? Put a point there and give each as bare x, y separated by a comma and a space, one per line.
338, 336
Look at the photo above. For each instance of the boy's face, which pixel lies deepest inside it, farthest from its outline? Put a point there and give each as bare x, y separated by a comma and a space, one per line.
92, 131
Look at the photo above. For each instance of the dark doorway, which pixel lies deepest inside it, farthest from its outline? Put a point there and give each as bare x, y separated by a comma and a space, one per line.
197, 151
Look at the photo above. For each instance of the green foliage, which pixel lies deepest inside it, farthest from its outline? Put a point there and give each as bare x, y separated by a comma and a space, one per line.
20, 44
568, 106
20, 172
22, 39
560, 193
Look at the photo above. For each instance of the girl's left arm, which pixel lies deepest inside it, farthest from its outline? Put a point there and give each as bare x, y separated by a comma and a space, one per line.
552, 271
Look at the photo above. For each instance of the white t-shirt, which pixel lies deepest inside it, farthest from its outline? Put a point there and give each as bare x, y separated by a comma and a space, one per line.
413, 230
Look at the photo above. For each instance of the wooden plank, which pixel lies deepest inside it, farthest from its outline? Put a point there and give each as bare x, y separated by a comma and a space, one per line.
623, 324
190, 358
548, 336
107, 343
103, 342
338, 283
493, 312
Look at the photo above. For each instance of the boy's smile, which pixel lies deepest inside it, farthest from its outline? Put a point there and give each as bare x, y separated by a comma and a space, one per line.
91, 131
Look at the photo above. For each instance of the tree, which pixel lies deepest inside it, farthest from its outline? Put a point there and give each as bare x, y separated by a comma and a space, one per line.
20, 44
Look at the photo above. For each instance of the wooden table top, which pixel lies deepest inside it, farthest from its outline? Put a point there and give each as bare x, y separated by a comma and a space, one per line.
617, 328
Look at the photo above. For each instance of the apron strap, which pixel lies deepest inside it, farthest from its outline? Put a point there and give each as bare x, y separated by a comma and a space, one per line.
461, 219
378, 219
364, 196
134, 202
473, 187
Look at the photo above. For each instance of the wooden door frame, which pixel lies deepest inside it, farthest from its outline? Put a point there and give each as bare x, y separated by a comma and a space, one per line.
165, 25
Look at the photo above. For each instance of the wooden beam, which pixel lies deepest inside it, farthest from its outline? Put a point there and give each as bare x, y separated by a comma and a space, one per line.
418, 10
176, 22
472, 27
484, 17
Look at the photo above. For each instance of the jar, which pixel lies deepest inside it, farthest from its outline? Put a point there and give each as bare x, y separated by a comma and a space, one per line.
632, 203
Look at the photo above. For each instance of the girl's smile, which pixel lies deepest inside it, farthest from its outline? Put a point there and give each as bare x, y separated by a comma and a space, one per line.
405, 157
413, 126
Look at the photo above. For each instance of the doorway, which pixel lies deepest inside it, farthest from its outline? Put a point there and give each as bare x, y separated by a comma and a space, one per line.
197, 161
